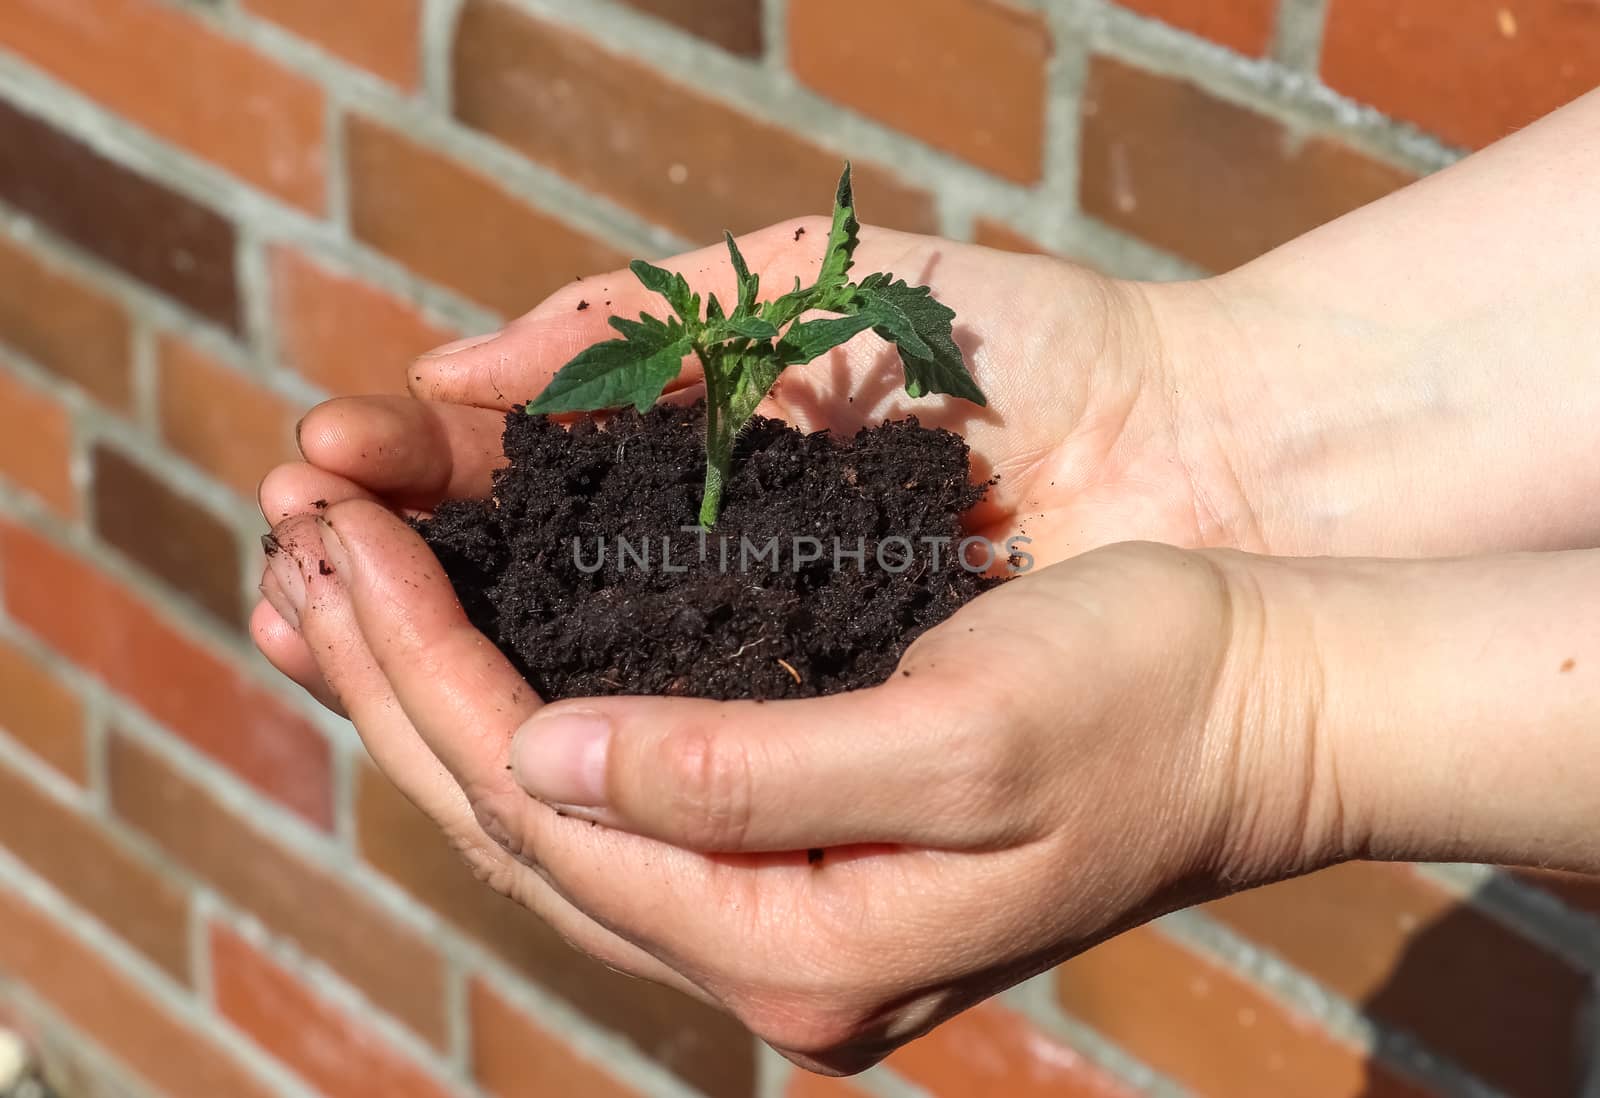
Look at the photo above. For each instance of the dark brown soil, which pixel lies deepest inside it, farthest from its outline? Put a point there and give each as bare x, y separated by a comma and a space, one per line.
740, 630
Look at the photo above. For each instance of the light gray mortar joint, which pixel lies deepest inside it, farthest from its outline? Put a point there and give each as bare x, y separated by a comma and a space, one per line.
439, 20
775, 36
1297, 38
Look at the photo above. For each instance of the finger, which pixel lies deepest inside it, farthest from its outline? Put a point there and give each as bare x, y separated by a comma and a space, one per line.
327, 620
406, 451
912, 762
514, 366
298, 488
286, 650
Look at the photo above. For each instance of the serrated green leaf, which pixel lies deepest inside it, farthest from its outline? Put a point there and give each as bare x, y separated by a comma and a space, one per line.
921, 328
749, 327
842, 240
632, 370
673, 287
811, 339
714, 313
749, 284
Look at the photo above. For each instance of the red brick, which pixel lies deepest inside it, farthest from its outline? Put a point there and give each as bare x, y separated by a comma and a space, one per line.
64, 325
329, 919
1243, 25
803, 1084
996, 234
618, 127
76, 854
173, 244
219, 418
967, 76
1209, 1029
381, 36
515, 1057
39, 712
114, 1012
1579, 891
992, 1052
113, 634
1209, 180
322, 1044
1470, 73
735, 25
709, 1050
168, 534
1402, 946
458, 227
36, 444
166, 71
344, 335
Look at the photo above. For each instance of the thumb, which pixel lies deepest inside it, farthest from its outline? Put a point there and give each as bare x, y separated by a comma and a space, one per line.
892, 764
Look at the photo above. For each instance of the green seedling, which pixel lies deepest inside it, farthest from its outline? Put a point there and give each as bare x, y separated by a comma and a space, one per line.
742, 351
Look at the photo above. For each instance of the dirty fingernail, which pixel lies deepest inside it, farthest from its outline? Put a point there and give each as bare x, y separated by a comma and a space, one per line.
560, 757
278, 601
460, 345
282, 569
335, 557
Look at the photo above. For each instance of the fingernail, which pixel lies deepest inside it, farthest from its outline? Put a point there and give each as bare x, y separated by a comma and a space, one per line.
560, 757
460, 345
275, 599
282, 568
335, 557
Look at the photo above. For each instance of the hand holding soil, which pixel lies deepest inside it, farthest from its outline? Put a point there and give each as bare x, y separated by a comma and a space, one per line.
1112, 735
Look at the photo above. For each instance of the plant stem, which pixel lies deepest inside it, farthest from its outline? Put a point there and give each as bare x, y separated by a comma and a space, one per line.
719, 441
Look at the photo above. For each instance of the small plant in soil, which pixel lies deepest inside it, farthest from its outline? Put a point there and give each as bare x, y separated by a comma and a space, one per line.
816, 560
743, 350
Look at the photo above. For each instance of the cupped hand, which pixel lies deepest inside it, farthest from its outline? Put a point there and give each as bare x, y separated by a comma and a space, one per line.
1071, 754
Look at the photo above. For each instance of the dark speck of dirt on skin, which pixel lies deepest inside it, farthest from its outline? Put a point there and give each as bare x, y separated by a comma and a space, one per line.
582, 305
270, 545
324, 568
1568, 666
320, 504
814, 856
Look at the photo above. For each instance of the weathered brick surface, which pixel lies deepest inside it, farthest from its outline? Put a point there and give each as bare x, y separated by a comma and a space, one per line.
36, 444
230, 425
170, 535
334, 921
113, 1010
161, 69
1470, 73
328, 1047
965, 75
708, 1049
38, 711
458, 226
175, 245
1243, 25
514, 1057
1211, 181
64, 325
78, 856
343, 334
673, 154
117, 636
735, 25
1205, 1027
326, 190
1401, 945
381, 36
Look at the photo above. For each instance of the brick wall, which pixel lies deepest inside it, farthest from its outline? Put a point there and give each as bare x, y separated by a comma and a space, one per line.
214, 212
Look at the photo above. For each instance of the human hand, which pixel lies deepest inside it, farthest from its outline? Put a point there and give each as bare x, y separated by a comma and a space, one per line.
1059, 761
